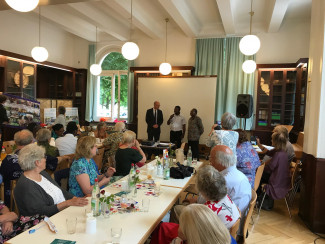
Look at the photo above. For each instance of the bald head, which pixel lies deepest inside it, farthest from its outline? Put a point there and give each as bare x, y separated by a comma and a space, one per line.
156, 105
222, 157
23, 138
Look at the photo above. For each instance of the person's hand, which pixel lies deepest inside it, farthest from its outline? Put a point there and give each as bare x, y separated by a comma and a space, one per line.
258, 141
214, 126
7, 228
110, 172
78, 201
155, 126
172, 116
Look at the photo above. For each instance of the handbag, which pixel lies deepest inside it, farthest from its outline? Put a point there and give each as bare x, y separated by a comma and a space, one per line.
181, 171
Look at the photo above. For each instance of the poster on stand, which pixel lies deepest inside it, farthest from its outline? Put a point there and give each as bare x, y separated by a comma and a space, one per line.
71, 114
21, 111
49, 115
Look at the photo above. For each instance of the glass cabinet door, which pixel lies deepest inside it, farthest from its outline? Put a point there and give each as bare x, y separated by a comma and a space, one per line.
13, 84
277, 95
290, 96
28, 83
264, 98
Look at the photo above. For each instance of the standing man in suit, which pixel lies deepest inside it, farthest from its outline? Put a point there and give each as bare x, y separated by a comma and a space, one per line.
154, 119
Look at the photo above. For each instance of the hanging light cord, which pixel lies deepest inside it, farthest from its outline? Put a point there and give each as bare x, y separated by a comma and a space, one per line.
131, 21
96, 45
166, 40
39, 26
251, 13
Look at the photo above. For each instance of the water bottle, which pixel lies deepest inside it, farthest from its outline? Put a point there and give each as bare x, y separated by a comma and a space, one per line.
95, 199
189, 157
166, 169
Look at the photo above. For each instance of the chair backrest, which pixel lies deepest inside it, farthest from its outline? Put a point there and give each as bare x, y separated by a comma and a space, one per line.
258, 176
13, 204
233, 230
249, 213
9, 146
300, 140
295, 173
2, 191
66, 162
99, 158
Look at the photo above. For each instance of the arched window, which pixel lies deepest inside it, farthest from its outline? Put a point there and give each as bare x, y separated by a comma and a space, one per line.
112, 100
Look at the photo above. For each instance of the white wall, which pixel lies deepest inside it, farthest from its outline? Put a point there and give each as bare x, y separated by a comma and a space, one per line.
19, 34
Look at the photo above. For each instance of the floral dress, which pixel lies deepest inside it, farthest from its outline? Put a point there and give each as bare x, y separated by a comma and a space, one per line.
78, 167
113, 140
22, 224
247, 161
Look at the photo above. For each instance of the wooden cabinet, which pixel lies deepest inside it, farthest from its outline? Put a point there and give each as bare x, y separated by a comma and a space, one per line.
281, 93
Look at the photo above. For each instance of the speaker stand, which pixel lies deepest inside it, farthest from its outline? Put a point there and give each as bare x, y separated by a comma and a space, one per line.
245, 124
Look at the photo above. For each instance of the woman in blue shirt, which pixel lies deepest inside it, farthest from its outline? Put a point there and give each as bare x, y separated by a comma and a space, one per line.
83, 170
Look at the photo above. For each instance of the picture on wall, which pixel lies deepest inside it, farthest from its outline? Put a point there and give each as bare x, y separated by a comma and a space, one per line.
21, 111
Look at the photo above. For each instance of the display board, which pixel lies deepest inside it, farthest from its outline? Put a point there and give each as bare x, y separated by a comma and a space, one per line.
21, 111
187, 92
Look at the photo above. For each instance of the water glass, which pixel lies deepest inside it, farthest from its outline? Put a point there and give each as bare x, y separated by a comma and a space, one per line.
194, 161
145, 204
157, 189
116, 233
71, 225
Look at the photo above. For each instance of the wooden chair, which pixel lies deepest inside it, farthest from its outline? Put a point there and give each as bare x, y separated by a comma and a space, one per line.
13, 205
99, 158
258, 176
9, 146
2, 191
295, 183
233, 230
249, 214
298, 146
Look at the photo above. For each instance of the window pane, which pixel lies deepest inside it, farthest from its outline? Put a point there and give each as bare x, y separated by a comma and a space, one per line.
105, 96
124, 97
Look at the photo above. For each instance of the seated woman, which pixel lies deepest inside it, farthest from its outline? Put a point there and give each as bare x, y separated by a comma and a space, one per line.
226, 136
197, 225
213, 193
276, 173
36, 192
289, 148
247, 157
112, 142
57, 131
100, 132
83, 169
43, 137
125, 155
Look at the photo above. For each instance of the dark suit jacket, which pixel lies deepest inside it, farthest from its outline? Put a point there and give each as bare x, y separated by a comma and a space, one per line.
150, 119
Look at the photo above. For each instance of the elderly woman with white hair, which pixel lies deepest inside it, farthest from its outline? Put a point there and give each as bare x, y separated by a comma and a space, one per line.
112, 142
126, 155
226, 136
197, 225
36, 192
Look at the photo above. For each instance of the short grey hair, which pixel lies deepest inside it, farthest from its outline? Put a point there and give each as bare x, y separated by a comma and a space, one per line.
129, 136
29, 155
228, 120
119, 126
211, 184
225, 159
43, 135
23, 137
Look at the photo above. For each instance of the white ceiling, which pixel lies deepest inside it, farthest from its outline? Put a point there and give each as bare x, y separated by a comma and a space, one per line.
195, 18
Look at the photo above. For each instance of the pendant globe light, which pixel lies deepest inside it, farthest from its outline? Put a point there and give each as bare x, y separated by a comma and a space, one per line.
95, 69
249, 66
130, 50
23, 5
39, 53
165, 68
250, 44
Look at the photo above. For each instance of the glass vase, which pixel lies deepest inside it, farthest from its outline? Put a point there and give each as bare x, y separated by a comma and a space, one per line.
105, 208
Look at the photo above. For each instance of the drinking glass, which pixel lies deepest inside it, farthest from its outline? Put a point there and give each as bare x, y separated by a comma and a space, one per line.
145, 204
194, 161
157, 189
116, 233
71, 225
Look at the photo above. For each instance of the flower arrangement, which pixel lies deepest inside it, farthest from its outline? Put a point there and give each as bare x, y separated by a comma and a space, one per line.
158, 160
135, 179
106, 199
102, 120
116, 121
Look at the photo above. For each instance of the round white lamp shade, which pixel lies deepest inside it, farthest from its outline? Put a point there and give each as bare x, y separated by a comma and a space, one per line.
23, 5
95, 69
40, 54
130, 50
249, 44
165, 68
249, 66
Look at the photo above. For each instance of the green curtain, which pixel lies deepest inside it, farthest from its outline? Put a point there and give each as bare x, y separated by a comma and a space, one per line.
130, 92
222, 57
91, 87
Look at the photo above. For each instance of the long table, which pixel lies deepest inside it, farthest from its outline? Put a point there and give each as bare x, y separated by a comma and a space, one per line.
136, 227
